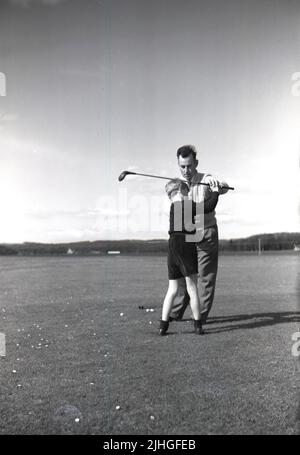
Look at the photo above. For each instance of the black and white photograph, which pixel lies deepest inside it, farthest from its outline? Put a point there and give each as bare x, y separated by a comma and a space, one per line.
150, 213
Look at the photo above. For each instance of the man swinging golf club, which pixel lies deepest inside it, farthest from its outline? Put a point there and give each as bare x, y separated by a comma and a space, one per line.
207, 247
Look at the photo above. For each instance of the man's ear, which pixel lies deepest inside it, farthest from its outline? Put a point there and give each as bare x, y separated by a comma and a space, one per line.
196, 162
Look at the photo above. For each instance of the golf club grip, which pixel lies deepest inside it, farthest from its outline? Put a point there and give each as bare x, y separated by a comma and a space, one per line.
221, 187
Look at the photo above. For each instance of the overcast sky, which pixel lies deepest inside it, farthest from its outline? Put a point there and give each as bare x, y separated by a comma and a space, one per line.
96, 87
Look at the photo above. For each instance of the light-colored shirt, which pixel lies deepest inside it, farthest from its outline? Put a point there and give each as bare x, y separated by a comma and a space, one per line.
200, 193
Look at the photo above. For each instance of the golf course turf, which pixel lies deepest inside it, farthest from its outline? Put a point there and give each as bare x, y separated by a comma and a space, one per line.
83, 355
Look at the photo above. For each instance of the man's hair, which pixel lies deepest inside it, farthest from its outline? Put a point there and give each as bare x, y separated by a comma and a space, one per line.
175, 185
187, 150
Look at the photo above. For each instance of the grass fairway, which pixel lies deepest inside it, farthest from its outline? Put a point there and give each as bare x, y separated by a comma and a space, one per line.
75, 365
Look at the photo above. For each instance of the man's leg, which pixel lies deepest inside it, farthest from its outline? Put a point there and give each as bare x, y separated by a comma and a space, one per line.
192, 288
208, 250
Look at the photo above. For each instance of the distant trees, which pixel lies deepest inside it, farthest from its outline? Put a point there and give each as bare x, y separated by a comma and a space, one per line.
7, 251
268, 242
30, 249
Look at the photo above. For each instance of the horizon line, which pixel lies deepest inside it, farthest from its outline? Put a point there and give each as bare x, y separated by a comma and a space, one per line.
138, 240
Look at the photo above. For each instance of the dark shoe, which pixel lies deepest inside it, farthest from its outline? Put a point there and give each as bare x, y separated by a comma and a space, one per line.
204, 317
163, 327
198, 327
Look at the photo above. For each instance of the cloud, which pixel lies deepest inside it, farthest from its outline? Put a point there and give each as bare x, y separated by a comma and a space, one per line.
42, 214
11, 145
7, 117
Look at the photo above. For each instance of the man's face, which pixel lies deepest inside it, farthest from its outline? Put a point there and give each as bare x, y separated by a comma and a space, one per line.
187, 166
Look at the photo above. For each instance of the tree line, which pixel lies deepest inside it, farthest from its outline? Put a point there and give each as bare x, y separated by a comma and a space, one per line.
267, 242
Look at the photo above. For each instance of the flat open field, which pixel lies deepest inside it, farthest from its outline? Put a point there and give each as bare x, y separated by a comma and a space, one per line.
82, 358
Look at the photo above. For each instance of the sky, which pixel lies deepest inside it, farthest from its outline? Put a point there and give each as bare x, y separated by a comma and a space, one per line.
93, 88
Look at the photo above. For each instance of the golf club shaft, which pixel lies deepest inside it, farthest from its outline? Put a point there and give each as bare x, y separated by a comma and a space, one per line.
172, 178
154, 176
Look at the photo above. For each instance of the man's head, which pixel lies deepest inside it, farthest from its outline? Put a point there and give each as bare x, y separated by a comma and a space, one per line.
187, 161
176, 189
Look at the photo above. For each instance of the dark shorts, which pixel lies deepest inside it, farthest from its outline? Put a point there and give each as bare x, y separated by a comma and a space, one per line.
182, 257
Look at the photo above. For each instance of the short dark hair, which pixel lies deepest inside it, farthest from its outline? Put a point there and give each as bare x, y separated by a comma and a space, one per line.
187, 150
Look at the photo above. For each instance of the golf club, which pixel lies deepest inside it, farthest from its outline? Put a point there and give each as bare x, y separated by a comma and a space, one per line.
124, 174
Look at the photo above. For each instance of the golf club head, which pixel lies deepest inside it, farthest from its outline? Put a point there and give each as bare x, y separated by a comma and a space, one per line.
123, 175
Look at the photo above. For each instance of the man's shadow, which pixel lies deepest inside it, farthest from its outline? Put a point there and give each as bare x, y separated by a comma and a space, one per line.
252, 321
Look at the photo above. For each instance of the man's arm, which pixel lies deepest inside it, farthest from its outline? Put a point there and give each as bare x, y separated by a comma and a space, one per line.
213, 196
211, 202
